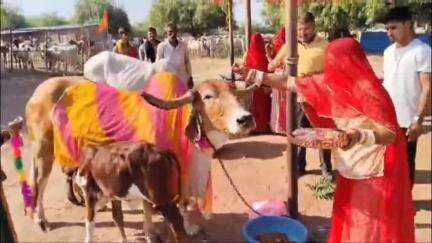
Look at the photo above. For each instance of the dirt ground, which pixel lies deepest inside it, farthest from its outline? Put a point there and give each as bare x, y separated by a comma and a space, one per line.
257, 165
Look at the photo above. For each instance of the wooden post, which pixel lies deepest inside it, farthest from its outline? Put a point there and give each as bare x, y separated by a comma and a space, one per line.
291, 69
248, 24
231, 35
45, 50
10, 49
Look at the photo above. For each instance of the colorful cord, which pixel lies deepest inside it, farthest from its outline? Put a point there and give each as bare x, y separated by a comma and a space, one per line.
16, 144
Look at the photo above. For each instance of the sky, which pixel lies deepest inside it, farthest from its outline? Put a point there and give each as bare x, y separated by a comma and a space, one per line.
137, 9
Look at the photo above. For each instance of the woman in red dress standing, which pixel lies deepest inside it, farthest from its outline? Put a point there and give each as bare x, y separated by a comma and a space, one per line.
373, 201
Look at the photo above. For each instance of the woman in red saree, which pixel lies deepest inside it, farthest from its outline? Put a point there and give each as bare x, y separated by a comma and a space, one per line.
266, 109
373, 200
261, 102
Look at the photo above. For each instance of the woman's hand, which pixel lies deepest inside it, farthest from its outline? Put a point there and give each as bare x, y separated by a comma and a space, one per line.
240, 70
354, 137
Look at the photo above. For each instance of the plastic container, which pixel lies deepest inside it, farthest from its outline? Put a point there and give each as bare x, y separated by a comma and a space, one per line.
294, 230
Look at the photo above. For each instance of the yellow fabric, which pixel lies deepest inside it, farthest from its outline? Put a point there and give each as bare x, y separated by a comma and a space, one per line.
311, 57
281, 55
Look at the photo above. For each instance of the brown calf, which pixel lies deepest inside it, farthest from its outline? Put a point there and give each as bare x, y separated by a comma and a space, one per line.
131, 171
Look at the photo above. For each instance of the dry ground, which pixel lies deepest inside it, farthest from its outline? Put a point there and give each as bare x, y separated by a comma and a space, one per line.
257, 165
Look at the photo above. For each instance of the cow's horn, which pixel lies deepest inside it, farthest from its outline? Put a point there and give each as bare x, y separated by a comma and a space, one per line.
168, 104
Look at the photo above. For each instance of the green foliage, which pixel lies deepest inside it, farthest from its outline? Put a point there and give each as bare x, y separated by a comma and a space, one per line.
193, 16
353, 15
117, 18
273, 16
91, 11
422, 10
48, 19
11, 18
323, 189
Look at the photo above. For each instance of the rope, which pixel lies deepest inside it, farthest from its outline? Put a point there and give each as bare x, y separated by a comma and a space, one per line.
236, 189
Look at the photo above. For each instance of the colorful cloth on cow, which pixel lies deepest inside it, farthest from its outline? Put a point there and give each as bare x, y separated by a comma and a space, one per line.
96, 114
378, 208
125, 48
261, 103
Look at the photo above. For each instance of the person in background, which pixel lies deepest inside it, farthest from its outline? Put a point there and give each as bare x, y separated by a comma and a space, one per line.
123, 46
175, 52
311, 48
407, 77
147, 50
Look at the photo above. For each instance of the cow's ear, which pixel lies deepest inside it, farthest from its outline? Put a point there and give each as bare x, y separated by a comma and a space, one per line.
193, 129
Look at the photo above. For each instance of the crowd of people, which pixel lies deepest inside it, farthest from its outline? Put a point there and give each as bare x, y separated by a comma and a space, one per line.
337, 88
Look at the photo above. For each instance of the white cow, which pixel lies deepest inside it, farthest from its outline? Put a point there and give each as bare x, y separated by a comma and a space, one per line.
66, 53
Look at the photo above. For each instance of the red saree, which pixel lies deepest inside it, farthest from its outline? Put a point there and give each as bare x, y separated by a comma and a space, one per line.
261, 105
378, 209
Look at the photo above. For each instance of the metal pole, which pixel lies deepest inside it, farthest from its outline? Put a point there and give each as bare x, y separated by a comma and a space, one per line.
248, 22
291, 69
231, 35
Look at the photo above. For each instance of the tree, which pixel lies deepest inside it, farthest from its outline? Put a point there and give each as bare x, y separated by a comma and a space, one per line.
192, 16
273, 15
48, 19
91, 11
11, 18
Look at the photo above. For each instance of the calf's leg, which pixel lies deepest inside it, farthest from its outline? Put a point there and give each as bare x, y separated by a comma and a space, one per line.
148, 226
172, 214
117, 214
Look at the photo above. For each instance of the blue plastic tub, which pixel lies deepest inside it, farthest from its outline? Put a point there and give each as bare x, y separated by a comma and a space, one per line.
293, 229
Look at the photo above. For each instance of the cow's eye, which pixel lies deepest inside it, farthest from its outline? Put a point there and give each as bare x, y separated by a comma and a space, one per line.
206, 97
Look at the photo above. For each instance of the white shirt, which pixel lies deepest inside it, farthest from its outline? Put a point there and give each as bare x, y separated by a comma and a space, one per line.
141, 52
177, 57
402, 66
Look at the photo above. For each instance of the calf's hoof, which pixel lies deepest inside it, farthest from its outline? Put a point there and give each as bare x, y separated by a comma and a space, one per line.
44, 225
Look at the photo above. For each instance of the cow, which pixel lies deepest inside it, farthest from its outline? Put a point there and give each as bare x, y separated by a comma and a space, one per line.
131, 171
216, 113
24, 54
66, 53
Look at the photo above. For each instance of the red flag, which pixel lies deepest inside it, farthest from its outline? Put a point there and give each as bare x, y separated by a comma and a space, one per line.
103, 25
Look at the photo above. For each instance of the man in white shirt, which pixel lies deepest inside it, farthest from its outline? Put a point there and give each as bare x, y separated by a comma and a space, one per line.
407, 76
176, 53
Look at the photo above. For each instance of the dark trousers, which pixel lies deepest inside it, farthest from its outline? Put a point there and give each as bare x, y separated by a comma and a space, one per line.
303, 122
411, 152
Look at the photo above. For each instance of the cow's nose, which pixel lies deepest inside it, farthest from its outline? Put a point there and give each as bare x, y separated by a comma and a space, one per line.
244, 120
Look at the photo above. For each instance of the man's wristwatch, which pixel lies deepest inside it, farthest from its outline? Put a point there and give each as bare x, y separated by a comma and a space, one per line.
418, 119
